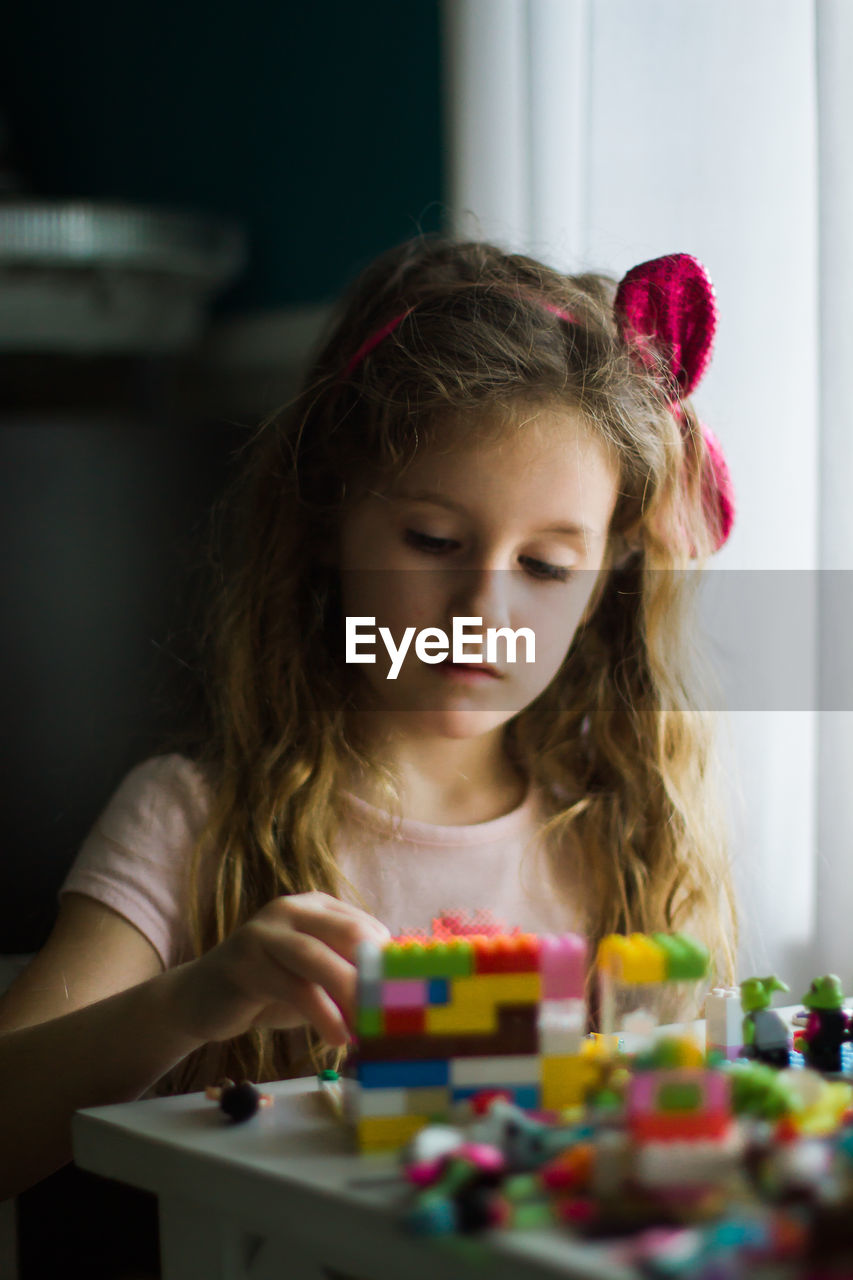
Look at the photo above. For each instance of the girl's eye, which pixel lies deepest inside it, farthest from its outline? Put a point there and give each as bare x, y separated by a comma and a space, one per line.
552, 572
424, 542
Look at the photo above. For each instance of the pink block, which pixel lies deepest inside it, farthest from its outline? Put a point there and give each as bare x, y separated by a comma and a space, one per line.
405, 993
562, 963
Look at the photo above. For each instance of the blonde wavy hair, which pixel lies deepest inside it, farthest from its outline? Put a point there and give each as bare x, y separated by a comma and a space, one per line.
618, 743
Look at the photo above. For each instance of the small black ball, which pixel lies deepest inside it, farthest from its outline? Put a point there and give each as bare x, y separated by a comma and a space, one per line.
240, 1101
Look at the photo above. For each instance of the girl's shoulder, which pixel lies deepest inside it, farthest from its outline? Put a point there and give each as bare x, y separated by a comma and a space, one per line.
162, 789
172, 774
137, 856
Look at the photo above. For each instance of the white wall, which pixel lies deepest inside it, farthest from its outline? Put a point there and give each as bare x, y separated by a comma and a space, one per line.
597, 134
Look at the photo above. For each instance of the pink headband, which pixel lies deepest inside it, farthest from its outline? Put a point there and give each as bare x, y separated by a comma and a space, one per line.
667, 315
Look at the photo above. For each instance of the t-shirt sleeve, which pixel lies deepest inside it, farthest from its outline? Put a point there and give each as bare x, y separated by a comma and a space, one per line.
136, 858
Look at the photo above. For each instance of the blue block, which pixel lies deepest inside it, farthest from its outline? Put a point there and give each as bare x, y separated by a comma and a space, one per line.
527, 1096
404, 1075
439, 991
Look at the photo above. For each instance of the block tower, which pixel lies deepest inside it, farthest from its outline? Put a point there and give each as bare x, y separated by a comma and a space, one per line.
444, 1018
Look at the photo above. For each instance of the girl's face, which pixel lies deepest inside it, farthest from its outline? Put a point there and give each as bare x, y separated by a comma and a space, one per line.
511, 529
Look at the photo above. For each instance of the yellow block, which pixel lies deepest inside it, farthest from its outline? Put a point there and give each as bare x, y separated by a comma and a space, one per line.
377, 1133
429, 1100
636, 958
566, 1079
473, 1000
447, 1019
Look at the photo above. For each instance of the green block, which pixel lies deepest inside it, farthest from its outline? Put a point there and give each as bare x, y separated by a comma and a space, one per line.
681, 1096
453, 959
369, 1022
521, 1187
526, 1217
686, 959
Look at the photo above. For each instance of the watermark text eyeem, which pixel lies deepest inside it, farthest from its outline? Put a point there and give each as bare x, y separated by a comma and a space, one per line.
433, 645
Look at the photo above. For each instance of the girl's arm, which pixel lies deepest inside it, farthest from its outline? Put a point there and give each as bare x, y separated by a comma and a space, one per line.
94, 1020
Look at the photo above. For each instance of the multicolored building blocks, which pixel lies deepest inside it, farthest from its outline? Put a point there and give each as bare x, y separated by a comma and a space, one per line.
640, 959
442, 1020
451, 1019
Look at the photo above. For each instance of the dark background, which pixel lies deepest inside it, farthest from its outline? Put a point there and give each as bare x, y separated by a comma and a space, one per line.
318, 129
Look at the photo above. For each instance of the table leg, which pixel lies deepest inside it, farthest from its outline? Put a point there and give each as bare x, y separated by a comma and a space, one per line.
197, 1243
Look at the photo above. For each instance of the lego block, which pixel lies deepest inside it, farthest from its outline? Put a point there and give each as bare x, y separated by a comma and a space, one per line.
566, 1080
686, 959
405, 1022
519, 954
636, 958
515, 1033
430, 1101
674, 1126
368, 994
427, 1101
562, 1025
431, 960
489, 989
438, 991
562, 964
474, 1000
462, 923
481, 1073
404, 1073
724, 1021
382, 1102
378, 1133
710, 1088
369, 961
528, 1096
369, 1022
449, 1018
689, 1163
404, 993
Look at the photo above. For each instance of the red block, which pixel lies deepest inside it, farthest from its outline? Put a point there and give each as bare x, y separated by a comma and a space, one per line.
670, 1126
507, 954
405, 1022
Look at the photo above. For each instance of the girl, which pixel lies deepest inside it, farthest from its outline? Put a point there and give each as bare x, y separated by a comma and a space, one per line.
480, 438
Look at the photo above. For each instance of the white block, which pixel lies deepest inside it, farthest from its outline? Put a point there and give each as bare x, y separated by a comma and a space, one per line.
468, 1073
368, 959
561, 1025
383, 1102
723, 1018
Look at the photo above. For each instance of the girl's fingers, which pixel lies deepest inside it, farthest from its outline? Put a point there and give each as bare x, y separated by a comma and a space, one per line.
313, 1005
312, 960
339, 924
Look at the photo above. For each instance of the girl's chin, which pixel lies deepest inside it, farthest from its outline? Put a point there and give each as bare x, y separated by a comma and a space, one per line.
450, 723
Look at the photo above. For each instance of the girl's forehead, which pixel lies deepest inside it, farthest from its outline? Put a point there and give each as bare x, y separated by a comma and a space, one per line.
545, 461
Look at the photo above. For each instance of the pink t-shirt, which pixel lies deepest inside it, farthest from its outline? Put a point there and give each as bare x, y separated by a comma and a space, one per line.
136, 861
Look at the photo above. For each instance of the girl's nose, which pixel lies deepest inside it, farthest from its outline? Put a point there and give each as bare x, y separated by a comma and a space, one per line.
483, 593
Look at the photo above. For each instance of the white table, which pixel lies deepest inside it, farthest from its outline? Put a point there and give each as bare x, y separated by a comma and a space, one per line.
284, 1194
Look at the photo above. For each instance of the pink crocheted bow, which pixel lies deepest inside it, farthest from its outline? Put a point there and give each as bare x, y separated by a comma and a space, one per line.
667, 313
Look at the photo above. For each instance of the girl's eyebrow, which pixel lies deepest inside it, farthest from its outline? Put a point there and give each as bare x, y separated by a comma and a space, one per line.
569, 529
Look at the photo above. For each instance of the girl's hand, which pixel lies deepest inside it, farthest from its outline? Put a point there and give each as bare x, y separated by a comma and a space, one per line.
294, 962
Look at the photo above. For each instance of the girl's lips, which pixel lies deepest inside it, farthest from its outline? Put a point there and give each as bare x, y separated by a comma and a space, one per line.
468, 670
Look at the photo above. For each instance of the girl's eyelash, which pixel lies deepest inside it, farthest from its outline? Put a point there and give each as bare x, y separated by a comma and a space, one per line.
553, 572
424, 542
435, 546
